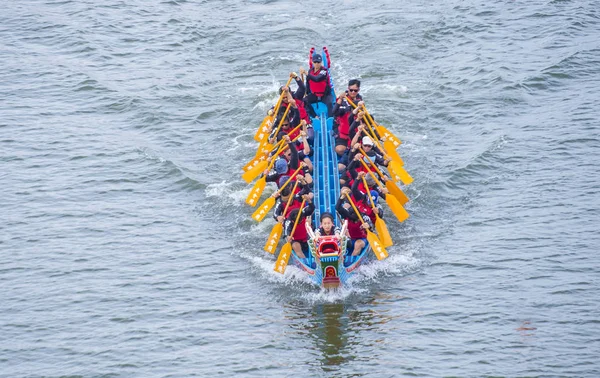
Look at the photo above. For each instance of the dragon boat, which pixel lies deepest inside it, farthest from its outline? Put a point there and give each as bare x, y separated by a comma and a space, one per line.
326, 263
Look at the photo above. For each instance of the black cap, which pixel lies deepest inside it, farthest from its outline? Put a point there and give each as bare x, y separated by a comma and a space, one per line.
316, 58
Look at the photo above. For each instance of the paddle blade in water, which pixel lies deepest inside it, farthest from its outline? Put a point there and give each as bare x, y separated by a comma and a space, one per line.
256, 192
255, 171
399, 173
396, 192
399, 211
283, 258
273, 240
388, 135
376, 246
390, 149
383, 233
264, 209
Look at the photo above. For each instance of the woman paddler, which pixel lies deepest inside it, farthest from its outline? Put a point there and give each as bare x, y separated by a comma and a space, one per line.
317, 86
356, 229
299, 239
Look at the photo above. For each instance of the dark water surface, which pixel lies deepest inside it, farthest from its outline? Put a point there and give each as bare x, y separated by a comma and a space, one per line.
128, 251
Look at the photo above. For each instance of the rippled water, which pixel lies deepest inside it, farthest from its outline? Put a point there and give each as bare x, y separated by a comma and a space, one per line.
127, 249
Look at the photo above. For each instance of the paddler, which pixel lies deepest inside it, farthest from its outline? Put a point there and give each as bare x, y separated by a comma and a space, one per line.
344, 116
299, 239
356, 229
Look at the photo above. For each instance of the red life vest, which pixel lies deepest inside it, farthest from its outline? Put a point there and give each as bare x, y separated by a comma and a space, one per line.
318, 87
344, 127
293, 205
300, 234
355, 230
303, 113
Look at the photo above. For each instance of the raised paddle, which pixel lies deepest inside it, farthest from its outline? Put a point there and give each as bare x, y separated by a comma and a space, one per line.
376, 245
389, 184
268, 204
266, 135
277, 230
259, 168
398, 210
380, 226
265, 127
264, 150
259, 187
286, 250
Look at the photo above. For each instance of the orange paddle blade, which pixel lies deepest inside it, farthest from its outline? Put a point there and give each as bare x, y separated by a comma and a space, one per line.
376, 246
264, 209
391, 150
399, 211
255, 171
273, 240
256, 192
264, 129
388, 135
383, 233
283, 258
396, 192
399, 173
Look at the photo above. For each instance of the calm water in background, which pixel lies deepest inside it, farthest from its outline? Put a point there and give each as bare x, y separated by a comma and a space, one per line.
126, 246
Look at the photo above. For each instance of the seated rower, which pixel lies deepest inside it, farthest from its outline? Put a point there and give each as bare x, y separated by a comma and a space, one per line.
344, 116
299, 239
363, 202
302, 189
356, 229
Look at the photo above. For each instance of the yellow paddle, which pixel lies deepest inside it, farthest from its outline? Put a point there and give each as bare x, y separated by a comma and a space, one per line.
277, 230
259, 168
383, 131
396, 207
286, 250
264, 150
266, 135
265, 125
268, 204
376, 245
389, 151
389, 184
380, 225
399, 173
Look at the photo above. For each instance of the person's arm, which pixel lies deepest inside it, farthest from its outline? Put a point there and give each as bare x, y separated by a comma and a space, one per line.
294, 160
341, 209
309, 209
355, 192
278, 210
301, 91
352, 168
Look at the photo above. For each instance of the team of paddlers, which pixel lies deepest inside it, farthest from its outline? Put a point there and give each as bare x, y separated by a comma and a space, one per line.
285, 158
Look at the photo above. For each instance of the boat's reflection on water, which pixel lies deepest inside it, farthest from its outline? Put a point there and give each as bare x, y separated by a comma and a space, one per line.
336, 328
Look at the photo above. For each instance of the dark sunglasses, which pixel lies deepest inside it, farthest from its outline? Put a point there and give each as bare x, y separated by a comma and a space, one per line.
353, 90
285, 124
